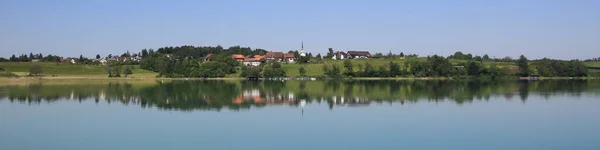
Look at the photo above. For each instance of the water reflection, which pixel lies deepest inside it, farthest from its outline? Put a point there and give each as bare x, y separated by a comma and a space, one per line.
237, 95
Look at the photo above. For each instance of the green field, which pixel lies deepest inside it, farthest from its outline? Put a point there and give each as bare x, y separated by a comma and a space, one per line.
69, 70
592, 64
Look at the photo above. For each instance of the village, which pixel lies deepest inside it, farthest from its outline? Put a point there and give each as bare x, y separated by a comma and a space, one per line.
246, 60
257, 60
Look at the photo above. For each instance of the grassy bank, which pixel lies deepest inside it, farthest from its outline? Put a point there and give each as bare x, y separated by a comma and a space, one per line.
70, 70
81, 71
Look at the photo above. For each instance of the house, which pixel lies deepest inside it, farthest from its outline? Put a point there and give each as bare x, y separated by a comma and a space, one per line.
208, 58
255, 61
289, 57
170, 56
137, 58
274, 56
259, 57
339, 55
101, 61
69, 60
124, 59
238, 57
35, 60
359, 54
111, 59
252, 62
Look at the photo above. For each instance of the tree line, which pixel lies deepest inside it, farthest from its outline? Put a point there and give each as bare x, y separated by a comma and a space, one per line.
189, 61
433, 66
30, 57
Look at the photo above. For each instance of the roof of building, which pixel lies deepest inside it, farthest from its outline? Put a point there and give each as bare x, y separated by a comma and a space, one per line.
238, 56
359, 53
288, 55
259, 57
251, 59
274, 55
208, 55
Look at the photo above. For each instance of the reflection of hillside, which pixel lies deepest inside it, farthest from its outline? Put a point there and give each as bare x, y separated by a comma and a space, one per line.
235, 95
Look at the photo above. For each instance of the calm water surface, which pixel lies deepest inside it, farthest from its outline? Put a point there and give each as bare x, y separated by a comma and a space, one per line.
540, 115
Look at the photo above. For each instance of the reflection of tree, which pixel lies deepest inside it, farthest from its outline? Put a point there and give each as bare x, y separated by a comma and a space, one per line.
235, 95
524, 90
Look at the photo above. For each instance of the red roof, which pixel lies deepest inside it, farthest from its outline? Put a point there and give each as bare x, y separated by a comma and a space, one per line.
288, 55
274, 55
259, 57
251, 59
238, 56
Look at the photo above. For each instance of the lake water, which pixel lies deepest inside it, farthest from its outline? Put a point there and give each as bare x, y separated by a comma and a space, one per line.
535, 115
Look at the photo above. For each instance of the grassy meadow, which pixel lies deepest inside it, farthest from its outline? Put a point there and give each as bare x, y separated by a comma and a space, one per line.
52, 69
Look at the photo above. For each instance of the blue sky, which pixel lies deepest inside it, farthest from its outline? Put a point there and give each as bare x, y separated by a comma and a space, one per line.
565, 29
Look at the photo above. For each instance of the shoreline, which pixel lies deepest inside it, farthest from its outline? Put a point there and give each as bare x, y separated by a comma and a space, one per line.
238, 78
102, 80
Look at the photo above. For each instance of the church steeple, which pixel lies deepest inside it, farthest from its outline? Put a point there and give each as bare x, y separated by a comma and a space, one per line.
302, 50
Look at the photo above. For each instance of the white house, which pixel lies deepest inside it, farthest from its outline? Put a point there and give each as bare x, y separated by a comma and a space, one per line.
252, 62
359, 54
338, 55
289, 57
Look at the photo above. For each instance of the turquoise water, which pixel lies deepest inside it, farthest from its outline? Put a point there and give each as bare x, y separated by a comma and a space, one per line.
46, 117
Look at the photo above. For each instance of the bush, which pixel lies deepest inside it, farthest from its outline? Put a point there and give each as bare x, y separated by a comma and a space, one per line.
35, 70
127, 71
273, 72
302, 71
250, 72
213, 69
8, 74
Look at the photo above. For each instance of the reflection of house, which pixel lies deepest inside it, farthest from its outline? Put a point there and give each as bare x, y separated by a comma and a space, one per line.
249, 95
359, 54
338, 55
255, 96
356, 101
